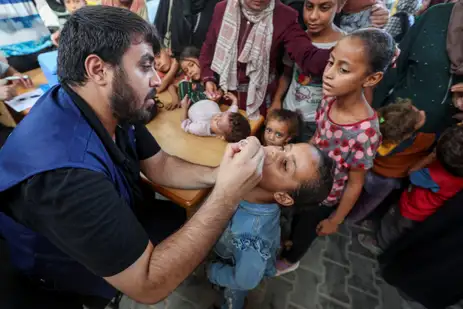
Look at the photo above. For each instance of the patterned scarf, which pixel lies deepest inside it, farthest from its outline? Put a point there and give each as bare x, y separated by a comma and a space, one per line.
256, 52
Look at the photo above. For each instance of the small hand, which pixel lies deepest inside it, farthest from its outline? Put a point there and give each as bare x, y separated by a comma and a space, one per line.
211, 91
276, 104
25, 82
457, 95
55, 38
186, 102
379, 15
327, 227
230, 96
7, 92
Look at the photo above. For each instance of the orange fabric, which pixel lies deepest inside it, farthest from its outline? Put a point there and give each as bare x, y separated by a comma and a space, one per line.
397, 166
356, 6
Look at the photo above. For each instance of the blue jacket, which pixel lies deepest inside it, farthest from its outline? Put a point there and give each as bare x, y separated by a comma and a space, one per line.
55, 135
248, 247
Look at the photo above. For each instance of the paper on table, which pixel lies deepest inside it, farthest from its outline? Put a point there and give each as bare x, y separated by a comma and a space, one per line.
25, 100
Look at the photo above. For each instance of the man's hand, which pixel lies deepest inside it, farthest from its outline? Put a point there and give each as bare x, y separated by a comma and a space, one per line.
7, 92
211, 91
241, 168
379, 15
327, 227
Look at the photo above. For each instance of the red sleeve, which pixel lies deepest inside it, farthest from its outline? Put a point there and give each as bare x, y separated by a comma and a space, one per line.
300, 49
208, 49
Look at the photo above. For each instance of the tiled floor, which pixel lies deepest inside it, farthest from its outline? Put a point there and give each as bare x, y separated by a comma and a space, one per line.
337, 273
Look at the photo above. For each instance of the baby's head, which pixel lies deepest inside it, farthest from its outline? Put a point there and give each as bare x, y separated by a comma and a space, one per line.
319, 14
358, 61
189, 62
297, 174
449, 150
282, 126
163, 60
232, 127
74, 5
398, 121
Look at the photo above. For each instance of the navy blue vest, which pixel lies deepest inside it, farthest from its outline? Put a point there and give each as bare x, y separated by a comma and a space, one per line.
54, 135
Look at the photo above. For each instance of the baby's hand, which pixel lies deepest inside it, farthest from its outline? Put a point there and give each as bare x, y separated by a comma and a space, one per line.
186, 102
230, 96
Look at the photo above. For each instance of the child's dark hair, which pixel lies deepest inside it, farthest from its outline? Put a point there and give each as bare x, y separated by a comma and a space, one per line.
240, 128
449, 150
189, 52
313, 192
398, 121
293, 119
379, 47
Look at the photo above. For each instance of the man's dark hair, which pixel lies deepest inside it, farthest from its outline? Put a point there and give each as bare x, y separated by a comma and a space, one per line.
449, 150
104, 31
240, 128
313, 192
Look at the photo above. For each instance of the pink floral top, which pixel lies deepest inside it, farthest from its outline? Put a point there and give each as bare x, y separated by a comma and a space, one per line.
350, 146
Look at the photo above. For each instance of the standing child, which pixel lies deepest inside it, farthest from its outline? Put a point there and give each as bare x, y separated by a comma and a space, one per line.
282, 127
403, 149
305, 92
297, 175
347, 130
430, 188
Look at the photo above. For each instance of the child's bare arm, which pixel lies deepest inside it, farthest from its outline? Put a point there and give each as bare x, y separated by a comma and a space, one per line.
230, 96
175, 100
169, 78
283, 84
349, 198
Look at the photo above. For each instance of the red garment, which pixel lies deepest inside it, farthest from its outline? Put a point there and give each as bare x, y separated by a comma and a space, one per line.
420, 203
287, 35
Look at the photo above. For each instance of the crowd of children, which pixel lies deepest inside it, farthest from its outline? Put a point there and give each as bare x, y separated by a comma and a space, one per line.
363, 155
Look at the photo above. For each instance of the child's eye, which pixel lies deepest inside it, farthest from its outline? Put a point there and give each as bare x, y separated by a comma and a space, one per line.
268, 130
285, 165
330, 63
343, 71
278, 134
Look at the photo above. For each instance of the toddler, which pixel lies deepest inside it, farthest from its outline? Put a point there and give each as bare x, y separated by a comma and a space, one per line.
305, 92
430, 188
398, 123
204, 118
297, 175
347, 130
282, 126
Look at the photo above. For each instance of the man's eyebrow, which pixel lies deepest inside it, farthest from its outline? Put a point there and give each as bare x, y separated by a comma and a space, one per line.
146, 57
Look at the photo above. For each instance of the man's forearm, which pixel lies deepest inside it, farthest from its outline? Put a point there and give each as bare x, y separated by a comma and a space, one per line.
177, 257
173, 172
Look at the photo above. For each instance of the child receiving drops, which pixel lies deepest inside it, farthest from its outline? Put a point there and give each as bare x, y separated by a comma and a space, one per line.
347, 130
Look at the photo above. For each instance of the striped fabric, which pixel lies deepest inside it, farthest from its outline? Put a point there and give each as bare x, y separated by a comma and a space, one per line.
22, 31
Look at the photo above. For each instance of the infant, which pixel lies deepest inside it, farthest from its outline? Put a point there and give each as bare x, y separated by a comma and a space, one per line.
204, 118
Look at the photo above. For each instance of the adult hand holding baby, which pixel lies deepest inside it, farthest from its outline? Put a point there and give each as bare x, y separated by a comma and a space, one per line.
241, 168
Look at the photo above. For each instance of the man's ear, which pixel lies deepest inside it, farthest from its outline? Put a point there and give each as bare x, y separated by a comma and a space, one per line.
373, 79
97, 70
283, 198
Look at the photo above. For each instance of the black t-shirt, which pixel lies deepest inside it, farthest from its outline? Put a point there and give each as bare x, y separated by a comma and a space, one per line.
81, 212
